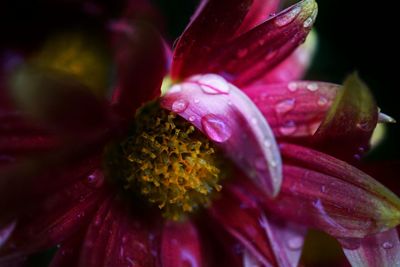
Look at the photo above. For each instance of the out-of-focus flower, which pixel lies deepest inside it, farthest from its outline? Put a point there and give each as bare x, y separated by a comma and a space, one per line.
94, 176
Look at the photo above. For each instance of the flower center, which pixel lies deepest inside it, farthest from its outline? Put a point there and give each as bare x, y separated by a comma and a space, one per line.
166, 160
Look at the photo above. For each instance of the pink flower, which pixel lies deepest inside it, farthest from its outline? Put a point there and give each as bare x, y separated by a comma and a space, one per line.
82, 173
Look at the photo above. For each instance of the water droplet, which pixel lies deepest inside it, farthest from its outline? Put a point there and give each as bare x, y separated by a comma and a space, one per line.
288, 128
308, 22
242, 53
295, 243
216, 128
312, 87
192, 118
267, 143
387, 245
261, 42
175, 88
292, 87
230, 103
179, 105
323, 189
288, 17
365, 126
254, 121
322, 101
214, 84
285, 106
196, 100
96, 179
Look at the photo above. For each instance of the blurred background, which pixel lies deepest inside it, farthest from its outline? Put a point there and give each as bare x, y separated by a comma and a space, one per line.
353, 36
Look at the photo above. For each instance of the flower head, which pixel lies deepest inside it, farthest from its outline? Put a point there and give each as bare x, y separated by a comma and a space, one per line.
235, 145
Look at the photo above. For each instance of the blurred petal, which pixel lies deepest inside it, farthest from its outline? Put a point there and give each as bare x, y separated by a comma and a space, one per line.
229, 118
247, 58
323, 192
251, 261
259, 11
52, 220
5, 232
244, 221
294, 109
68, 253
349, 124
116, 238
214, 23
58, 100
180, 245
295, 66
141, 65
380, 250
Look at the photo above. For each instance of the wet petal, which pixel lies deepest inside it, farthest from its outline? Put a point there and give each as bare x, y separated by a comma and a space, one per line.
68, 253
380, 250
180, 245
244, 221
247, 58
294, 109
259, 11
116, 238
52, 220
323, 192
58, 100
295, 66
214, 22
350, 122
229, 118
141, 65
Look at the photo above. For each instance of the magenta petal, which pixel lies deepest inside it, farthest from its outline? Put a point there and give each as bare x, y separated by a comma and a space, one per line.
229, 118
141, 65
380, 250
348, 126
117, 238
243, 220
323, 192
247, 58
214, 22
259, 11
295, 66
294, 109
180, 245
52, 220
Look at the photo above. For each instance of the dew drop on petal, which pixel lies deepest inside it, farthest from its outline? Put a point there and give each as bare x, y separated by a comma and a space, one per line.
288, 17
175, 89
288, 128
295, 243
285, 106
196, 100
322, 101
179, 105
96, 179
292, 87
312, 87
387, 245
308, 22
215, 128
192, 118
213, 84
267, 143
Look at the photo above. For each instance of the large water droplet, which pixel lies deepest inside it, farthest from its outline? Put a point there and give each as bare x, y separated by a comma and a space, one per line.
288, 128
295, 243
322, 101
292, 87
312, 86
179, 105
288, 17
285, 106
213, 84
216, 128
387, 245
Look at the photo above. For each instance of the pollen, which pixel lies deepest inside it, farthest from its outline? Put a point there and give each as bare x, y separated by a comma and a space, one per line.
168, 162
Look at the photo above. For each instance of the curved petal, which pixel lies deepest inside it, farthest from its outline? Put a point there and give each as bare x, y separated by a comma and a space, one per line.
295, 66
180, 245
350, 122
259, 11
294, 109
214, 22
380, 250
229, 118
117, 238
141, 65
52, 220
247, 58
68, 253
321, 191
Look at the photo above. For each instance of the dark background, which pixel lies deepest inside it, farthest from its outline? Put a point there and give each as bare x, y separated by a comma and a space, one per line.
353, 36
